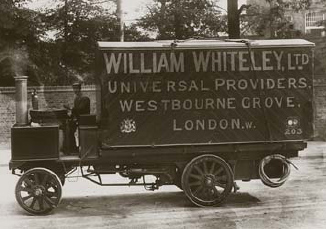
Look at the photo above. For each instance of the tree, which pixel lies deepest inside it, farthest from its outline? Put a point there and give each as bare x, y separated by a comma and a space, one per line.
77, 26
20, 32
18, 25
271, 21
182, 19
55, 46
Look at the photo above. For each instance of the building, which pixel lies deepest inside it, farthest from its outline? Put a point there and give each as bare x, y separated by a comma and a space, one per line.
306, 21
312, 18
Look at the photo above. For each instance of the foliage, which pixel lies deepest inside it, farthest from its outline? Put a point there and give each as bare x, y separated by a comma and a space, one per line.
271, 20
20, 32
182, 19
78, 25
75, 25
323, 22
56, 46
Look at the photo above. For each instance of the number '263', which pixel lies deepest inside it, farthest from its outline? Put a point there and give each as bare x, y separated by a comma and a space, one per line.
293, 131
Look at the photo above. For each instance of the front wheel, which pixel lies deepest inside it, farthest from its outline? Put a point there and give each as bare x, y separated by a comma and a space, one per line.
38, 191
207, 180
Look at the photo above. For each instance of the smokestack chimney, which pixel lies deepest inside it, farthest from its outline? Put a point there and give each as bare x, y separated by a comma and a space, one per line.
21, 101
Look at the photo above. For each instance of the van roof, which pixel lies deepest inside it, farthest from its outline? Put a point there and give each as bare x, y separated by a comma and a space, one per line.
203, 44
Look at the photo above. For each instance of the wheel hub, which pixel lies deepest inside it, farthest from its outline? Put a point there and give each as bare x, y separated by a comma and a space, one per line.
208, 181
38, 191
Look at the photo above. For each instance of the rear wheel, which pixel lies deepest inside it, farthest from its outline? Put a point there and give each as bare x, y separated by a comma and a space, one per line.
38, 191
207, 180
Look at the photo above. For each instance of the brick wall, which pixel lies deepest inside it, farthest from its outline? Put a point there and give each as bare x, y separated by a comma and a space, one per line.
55, 97
49, 97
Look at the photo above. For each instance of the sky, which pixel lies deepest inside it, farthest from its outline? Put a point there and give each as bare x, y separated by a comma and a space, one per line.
133, 9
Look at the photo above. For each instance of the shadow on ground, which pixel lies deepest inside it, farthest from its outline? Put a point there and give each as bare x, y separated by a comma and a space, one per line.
126, 204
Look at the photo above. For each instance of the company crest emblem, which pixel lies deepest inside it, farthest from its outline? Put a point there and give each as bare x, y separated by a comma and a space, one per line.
128, 126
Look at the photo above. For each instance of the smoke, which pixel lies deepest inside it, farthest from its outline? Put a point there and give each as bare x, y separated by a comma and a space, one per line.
18, 59
78, 77
17, 62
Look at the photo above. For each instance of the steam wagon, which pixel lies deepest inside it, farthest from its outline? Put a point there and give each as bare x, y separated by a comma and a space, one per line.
198, 114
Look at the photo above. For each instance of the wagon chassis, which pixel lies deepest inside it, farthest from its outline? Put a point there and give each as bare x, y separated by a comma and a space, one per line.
204, 176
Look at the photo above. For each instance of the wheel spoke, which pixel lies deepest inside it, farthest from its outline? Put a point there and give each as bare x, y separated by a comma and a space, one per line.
204, 193
197, 177
45, 179
49, 201
212, 193
198, 170
216, 193
205, 167
220, 178
28, 182
198, 190
212, 168
218, 171
41, 203
36, 178
24, 189
51, 185
220, 184
195, 183
33, 203
201, 193
26, 198
50, 194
